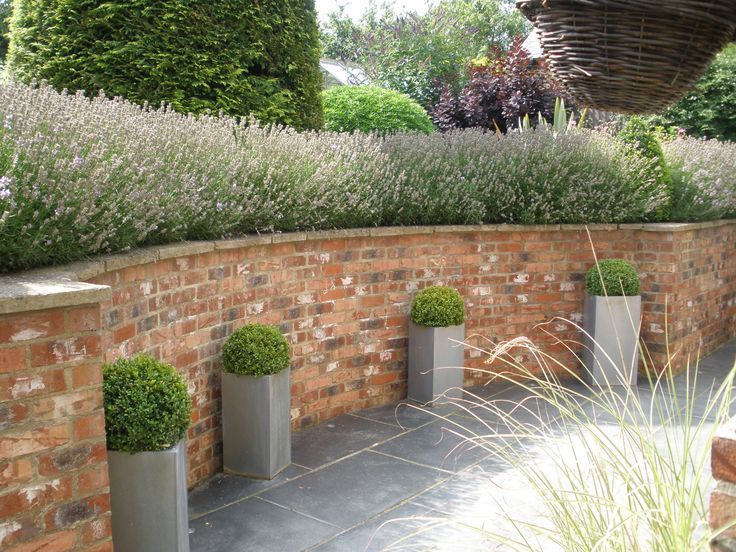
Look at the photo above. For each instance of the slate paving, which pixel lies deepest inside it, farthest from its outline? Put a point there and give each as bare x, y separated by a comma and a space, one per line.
397, 477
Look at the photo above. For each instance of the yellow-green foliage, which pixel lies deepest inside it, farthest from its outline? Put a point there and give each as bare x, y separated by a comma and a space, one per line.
255, 350
147, 406
438, 307
373, 109
612, 277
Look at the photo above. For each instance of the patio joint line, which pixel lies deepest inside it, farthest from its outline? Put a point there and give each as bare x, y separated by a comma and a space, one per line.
311, 470
404, 429
419, 464
299, 512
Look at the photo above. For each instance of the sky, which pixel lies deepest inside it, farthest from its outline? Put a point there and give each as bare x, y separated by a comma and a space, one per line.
355, 8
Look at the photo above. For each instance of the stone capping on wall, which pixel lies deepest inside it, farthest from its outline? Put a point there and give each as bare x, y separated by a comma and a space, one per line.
64, 285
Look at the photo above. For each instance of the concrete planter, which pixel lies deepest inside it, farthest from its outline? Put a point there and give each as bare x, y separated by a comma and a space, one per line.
148, 497
256, 424
434, 362
611, 353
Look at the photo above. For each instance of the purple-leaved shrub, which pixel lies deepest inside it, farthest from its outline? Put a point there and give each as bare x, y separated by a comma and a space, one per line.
81, 176
704, 178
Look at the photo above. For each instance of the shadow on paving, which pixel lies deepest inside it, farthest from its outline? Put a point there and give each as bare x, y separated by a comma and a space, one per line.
398, 477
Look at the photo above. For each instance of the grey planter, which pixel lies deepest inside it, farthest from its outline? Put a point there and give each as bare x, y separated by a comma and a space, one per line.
611, 353
256, 424
435, 361
148, 499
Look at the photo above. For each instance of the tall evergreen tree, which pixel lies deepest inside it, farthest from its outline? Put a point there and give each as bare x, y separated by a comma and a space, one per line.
235, 56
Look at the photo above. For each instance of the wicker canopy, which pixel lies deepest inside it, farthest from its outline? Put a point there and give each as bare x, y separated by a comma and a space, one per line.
630, 56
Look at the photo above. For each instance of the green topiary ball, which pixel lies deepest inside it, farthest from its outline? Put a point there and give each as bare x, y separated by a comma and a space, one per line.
147, 406
255, 350
438, 307
618, 276
373, 109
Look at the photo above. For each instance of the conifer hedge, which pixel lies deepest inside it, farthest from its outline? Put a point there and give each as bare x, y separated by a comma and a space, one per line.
235, 56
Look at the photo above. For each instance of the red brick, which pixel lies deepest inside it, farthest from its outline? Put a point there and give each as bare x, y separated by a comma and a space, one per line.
89, 427
95, 479
21, 386
27, 327
106, 546
73, 513
123, 334
85, 319
722, 511
63, 541
26, 441
35, 495
87, 375
66, 350
68, 404
723, 454
12, 359
14, 473
18, 530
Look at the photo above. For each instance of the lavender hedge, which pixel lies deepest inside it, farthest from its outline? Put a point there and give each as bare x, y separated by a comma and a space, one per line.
704, 178
79, 177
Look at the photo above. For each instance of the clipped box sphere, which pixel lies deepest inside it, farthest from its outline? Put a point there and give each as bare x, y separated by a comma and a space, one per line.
255, 350
147, 406
438, 307
612, 277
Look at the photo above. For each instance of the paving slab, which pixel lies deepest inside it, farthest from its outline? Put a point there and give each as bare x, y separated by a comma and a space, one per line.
406, 414
337, 438
355, 489
223, 489
444, 444
254, 524
410, 527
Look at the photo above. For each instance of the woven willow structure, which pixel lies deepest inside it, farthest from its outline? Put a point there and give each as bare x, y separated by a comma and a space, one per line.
630, 56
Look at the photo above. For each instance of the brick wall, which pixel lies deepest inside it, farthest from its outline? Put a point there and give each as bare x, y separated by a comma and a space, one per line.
343, 299
53, 462
722, 512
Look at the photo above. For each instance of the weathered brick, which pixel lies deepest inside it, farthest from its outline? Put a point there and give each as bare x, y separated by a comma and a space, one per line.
18, 328
12, 359
66, 350
85, 319
27, 441
62, 541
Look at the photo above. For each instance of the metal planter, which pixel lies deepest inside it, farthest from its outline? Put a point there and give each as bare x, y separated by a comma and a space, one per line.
148, 497
256, 425
611, 353
435, 362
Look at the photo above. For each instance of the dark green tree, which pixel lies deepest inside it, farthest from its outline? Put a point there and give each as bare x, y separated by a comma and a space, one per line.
6, 9
235, 56
710, 109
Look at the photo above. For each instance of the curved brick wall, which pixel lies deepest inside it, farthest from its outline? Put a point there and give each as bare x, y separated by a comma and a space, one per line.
342, 297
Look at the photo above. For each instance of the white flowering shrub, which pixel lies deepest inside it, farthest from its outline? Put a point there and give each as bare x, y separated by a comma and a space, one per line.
81, 176
704, 175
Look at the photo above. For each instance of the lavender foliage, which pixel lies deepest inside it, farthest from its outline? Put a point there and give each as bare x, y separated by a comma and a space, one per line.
81, 176
704, 178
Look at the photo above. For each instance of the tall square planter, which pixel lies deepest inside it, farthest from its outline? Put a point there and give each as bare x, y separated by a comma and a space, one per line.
435, 362
611, 353
256, 424
148, 499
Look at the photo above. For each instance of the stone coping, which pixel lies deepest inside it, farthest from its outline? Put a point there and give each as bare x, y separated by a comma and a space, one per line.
61, 286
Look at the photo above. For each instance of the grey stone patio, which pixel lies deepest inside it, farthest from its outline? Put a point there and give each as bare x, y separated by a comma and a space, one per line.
392, 476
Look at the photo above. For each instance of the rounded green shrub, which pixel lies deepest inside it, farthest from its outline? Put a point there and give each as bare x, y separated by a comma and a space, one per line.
373, 109
612, 277
236, 56
255, 350
438, 307
147, 406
